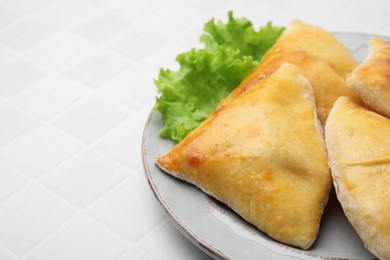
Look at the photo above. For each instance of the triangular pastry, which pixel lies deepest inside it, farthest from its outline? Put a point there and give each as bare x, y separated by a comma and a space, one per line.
323, 59
371, 79
358, 143
264, 156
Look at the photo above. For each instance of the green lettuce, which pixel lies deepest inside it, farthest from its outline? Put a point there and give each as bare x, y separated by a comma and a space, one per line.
239, 34
188, 96
191, 94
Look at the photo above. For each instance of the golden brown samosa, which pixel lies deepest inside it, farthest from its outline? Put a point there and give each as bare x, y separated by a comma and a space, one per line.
371, 79
358, 143
323, 59
264, 156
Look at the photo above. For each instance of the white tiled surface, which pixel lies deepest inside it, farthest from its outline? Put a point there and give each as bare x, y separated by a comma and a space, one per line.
76, 85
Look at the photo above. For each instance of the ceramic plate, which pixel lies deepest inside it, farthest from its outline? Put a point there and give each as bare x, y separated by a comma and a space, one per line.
223, 234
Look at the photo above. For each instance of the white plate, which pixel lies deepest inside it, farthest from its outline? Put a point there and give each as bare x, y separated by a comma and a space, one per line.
220, 232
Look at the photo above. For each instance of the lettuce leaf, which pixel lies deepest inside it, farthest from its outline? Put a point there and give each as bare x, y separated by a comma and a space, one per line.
239, 34
188, 96
191, 94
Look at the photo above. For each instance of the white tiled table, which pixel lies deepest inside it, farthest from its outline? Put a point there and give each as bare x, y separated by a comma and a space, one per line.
76, 86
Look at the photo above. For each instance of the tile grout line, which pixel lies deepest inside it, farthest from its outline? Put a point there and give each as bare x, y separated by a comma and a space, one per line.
76, 213
8, 251
49, 237
84, 146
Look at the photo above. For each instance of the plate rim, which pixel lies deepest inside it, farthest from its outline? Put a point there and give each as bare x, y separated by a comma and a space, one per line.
187, 232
